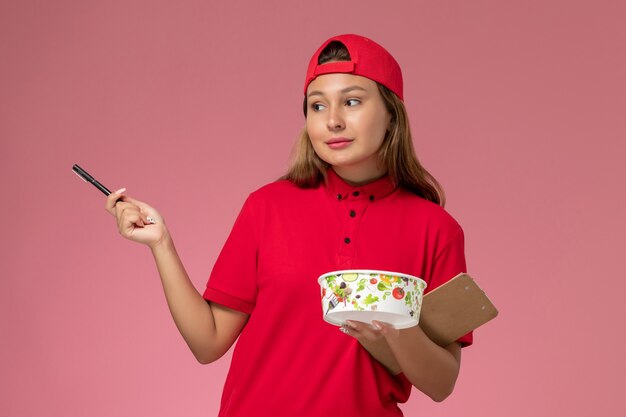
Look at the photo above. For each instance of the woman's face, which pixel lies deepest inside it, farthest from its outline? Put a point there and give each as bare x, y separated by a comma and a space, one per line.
347, 121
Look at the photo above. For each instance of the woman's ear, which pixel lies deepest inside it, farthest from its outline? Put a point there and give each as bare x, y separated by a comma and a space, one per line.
391, 124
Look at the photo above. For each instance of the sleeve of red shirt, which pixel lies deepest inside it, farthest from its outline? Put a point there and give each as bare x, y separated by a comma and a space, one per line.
450, 262
233, 282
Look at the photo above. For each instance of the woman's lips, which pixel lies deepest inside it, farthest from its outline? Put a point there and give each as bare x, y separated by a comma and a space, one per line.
338, 143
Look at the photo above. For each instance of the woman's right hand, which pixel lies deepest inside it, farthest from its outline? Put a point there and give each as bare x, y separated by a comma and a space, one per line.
208, 328
136, 220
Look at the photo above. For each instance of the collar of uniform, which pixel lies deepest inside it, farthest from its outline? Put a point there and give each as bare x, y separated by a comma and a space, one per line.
341, 190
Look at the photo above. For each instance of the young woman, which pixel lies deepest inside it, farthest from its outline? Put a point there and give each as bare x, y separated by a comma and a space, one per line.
355, 197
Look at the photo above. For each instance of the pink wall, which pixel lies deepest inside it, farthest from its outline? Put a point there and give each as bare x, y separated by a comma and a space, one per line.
517, 108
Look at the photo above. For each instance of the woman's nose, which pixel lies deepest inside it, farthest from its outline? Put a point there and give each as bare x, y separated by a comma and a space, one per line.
335, 119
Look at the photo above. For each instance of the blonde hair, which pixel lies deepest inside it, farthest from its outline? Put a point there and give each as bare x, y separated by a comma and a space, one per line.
396, 155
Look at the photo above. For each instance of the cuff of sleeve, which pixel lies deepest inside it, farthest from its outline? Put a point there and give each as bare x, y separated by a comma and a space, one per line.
403, 378
228, 300
466, 340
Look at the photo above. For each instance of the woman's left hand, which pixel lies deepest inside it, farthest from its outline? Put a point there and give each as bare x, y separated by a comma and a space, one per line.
430, 368
373, 337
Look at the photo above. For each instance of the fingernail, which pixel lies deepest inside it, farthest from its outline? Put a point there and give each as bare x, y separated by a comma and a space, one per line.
121, 190
151, 220
350, 324
376, 325
343, 329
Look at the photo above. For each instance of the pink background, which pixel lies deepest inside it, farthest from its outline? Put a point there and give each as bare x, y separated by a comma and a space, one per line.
518, 108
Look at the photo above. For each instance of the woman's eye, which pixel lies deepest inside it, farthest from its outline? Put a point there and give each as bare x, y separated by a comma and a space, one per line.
353, 100
316, 106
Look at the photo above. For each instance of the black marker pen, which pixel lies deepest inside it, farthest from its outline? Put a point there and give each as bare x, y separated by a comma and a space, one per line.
88, 178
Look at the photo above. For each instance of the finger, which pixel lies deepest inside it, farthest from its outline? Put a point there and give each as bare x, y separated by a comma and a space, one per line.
362, 330
350, 331
122, 208
128, 213
135, 216
150, 215
112, 199
129, 220
143, 206
386, 329
147, 216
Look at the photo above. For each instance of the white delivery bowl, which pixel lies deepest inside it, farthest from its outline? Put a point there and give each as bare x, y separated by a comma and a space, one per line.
365, 295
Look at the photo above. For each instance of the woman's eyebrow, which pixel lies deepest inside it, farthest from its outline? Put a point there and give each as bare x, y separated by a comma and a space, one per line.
345, 90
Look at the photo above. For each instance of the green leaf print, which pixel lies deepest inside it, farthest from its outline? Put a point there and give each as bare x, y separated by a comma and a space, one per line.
361, 285
408, 299
382, 286
340, 292
370, 299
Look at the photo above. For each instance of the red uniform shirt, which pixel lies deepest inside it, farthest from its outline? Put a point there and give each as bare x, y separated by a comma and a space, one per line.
288, 360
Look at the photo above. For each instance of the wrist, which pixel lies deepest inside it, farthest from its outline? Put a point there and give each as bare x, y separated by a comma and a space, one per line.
165, 243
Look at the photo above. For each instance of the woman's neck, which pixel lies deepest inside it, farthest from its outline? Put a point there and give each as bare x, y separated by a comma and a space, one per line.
356, 178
